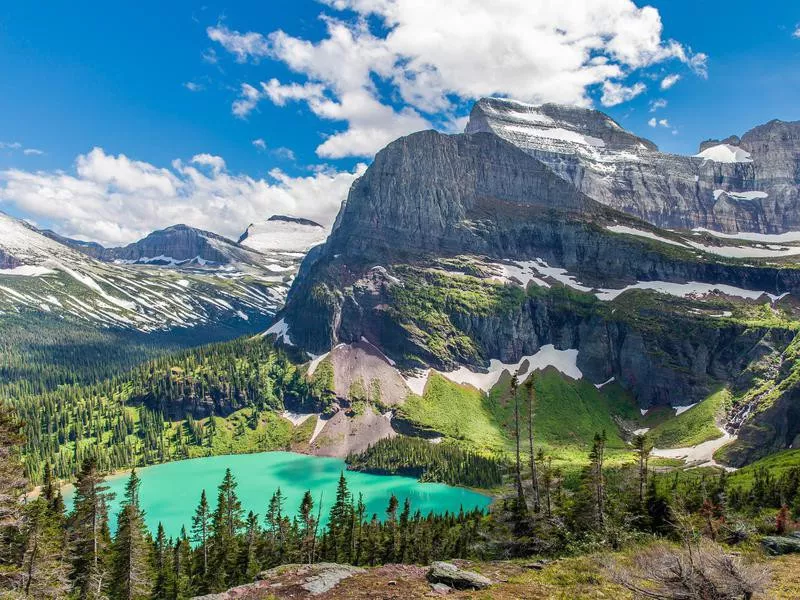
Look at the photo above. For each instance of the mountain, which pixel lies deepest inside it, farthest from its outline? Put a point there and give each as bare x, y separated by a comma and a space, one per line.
468, 255
283, 235
178, 245
748, 184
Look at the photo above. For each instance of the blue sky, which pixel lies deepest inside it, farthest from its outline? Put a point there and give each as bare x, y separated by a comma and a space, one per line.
116, 76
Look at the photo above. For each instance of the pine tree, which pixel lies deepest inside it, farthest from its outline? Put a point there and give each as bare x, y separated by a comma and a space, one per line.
248, 563
596, 460
642, 447
529, 385
131, 567
201, 531
45, 568
521, 507
12, 486
308, 528
162, 565
181, 569
226, 523
89, 536
340, 522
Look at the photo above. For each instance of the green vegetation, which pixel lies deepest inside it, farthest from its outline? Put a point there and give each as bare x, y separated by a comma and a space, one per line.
456, 411
444, 462
694, 426
211, 400
568, 412
777, 465
428, 300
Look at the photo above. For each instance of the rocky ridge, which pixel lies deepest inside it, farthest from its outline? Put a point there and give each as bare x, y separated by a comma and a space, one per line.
454, 250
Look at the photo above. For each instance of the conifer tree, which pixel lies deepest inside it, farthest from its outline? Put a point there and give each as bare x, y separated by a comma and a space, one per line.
596, 460
12, 486
45, 568
181, 569
89, 537
642, 447
201, 531
308, 528
226, 523
340, 522
131, 566
529, 386
162, 565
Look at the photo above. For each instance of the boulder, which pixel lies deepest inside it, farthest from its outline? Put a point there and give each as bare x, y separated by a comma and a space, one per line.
450, 575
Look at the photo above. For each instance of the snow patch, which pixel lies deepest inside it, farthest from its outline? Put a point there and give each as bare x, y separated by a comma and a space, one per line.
416, 383
641, 431
644, 234
725, 153
606, 382
679, 410
281, 332
27, 271
547, 356
297, 418
318, 428
703, 454
775, 238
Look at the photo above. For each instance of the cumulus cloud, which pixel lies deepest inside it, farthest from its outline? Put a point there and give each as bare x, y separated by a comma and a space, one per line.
429, 57
796, 32
657, 104
656, 122
116, 200
193, 87
669, 81
260, 143
615, 93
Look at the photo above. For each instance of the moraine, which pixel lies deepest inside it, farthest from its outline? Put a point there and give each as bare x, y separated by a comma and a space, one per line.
170, 491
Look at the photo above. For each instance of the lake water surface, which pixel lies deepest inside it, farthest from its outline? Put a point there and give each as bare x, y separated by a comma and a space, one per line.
170, 491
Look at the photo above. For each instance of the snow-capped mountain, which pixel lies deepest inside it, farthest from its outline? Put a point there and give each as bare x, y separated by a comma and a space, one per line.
283, 235
735, 185
39, 274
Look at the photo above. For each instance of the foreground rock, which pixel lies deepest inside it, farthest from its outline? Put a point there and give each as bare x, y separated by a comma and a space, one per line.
300, 581
450, 575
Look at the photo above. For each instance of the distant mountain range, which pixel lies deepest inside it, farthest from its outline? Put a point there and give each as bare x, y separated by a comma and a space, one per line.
177, 279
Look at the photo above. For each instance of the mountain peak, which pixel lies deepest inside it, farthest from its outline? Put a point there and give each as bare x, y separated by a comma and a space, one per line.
298, 220
553, 127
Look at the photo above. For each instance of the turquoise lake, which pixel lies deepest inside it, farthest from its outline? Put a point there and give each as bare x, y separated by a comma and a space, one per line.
170, 491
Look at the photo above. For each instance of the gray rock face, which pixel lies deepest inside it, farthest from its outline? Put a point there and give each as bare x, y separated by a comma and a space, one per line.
620, 170
452, 576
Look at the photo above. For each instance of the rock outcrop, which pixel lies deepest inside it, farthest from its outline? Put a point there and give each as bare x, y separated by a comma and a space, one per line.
460, 579
755, 189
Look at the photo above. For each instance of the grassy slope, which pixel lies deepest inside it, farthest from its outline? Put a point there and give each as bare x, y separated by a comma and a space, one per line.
457, 411
568, 414
694, 426
777, 464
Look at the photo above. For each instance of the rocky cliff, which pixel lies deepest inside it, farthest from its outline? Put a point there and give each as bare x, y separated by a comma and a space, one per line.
747, 184
455, 250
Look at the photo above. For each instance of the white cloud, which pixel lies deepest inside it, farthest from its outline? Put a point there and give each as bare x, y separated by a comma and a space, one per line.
216, 163
429, 56
260, 144
658, 122
10, 145
615, 93
796, 32
669, 81
663, 122
193, 87
32, 152
652, 122
657, 104
116, 200
243, 46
